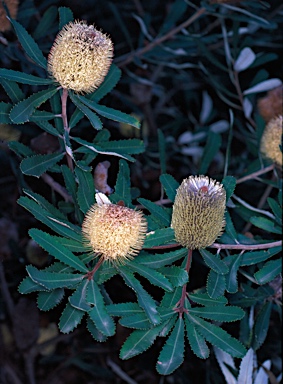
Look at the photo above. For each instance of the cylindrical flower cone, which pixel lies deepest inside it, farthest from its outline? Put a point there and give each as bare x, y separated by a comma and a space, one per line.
271, 105
198, 212
12, 6
272, 139
114, 232
80, 57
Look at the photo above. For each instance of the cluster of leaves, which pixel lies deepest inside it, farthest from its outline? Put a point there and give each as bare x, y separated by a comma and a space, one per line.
66, 279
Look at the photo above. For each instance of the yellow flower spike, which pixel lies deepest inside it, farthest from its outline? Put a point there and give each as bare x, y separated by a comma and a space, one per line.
198, 212
271, 139
114, 232
12, 6
80, 57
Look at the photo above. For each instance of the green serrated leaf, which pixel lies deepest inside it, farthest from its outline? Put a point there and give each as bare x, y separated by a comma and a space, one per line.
123, 183
158, 213
123, 309
232, 281
159, 237
218, 337
110, 113
213, 261
144, 299
53, 280
265, 224
110, 81
170, 299
92, 117
276, 209
123, 147
136, 321
23, 78
229, 184
86, 190
65, 16
46, 23
172, 354
22, 111
230, 229
28, 286
70, 319
29, 45
219, 313
158, 260
216, 284
170, 185
211, 148
78, 298
204, 299
261, 325
154, 277
12, 89
95, 333
56, 249
5, 109
139, 341
49, 300
254, 257
196, 340
38, 164
176, 275
269, 271
98, 314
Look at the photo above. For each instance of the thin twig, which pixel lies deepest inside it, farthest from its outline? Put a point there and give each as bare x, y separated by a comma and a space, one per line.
255, 174
56, 187
130, 57
64, 98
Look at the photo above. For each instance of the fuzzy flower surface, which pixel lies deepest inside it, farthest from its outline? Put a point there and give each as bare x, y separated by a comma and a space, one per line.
271, 139
12, 6
114, 232
80, 57
198, 212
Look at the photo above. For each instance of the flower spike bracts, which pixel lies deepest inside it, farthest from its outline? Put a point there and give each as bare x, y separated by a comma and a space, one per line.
198, 212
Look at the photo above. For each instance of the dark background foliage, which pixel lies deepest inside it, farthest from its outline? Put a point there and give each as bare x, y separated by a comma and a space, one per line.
181, 90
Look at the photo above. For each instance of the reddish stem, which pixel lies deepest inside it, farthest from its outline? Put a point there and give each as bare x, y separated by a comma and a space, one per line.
64, 98
89, 275
180, 305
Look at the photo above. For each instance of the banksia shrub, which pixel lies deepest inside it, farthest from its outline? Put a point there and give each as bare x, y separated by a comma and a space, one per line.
272, 139
12, 6
198, 212
80, 57
114, 232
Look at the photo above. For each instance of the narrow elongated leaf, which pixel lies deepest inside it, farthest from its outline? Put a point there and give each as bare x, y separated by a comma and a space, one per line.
46, 23
219, 313
78, 298
48, 300
204, 299
38, 164
137, 321
159, 237
28, 286
110, 81
72, 245
56, 249
92, 116
110, 113
216, 284
144, 299
95, 333
70, 319
65, 16
154, 277
276, 209
25, 108
5, 109
232, 281
225, 361
218, 337
170, 185
160, 260
53, 280
123, 309
266, 224
229, 184
250, 258
261, 325
196, 340
128, 146
246, 368
98, 314
214, 262
122, 186
139, 341
230, 229
177, 275
159, 214
210, 150
172, 354
263, 86
24, 78
269, 271
29, 45
12, 89
86, 190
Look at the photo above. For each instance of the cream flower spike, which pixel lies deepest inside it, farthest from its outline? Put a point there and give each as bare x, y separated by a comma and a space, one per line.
80, 57
198, 212
114, 232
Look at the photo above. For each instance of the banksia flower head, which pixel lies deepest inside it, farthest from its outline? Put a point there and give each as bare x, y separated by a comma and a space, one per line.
271, 105
271, 139
12, 6
80, 57
198, 212
114, 232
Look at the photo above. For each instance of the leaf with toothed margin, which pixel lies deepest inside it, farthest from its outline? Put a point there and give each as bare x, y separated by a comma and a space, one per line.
28, 286
231, 277
38, 164
196, 340
214, 262
95, 333
70, 319
24, 78
216, 284
49, 300
78, 298
219, 313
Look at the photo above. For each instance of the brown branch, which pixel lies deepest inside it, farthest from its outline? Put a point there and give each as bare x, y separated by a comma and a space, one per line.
255, 174
161, 39
64, 98
56, 187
